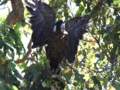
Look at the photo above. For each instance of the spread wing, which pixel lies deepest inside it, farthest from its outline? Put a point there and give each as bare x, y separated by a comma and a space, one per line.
42, 20
75, 27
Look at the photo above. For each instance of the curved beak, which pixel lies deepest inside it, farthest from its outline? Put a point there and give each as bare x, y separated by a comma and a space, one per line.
63, 29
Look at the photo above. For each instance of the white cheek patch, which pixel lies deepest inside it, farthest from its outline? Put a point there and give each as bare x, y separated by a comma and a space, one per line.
63, 29
54, 29
62, 26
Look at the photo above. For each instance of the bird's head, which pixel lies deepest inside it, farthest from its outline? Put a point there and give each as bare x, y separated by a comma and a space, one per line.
60, 26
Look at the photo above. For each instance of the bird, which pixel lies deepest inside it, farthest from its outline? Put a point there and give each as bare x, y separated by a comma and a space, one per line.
61, 38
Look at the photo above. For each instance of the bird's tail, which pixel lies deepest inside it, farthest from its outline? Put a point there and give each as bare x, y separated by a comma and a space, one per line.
55, 66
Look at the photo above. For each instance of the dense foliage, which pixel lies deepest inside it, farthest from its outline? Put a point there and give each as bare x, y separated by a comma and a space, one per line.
97, 64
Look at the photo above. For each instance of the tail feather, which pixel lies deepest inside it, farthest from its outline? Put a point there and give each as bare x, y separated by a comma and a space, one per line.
55, 66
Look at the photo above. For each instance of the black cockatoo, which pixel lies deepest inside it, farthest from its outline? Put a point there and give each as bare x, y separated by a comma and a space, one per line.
61, 39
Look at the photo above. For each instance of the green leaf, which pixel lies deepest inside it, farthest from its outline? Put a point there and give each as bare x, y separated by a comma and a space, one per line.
109, 2
61, 79
79, 78
77, 2
32, 70
97, 82
117, 20
1, 87
68, 74
2, 69
18, 43
28, 76
1, 43
8, 87
105, 84
33, 87
8, 49
12, 65
117, 86
14, 87
116, 1
36, 76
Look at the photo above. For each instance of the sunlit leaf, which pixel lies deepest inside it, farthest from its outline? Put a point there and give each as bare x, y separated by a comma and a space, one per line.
111, 87
15, 88
61, 79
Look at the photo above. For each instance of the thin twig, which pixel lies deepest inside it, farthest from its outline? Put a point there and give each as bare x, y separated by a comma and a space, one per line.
3, 2
100, 46
26, 55
72, 68
113, 41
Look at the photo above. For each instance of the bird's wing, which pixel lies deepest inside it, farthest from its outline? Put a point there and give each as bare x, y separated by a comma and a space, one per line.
42, 20
75, 27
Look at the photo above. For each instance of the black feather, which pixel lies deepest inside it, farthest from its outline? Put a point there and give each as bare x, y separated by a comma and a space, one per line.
75, 27
42, 22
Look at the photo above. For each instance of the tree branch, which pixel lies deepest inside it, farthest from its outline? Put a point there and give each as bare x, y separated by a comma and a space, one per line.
26, 55
72, 68
17, 14
3, 2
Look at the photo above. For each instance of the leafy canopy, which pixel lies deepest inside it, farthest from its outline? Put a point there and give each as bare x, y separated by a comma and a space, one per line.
97, 65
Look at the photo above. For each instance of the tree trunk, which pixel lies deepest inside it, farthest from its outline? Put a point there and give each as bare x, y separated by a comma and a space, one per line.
17, 14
